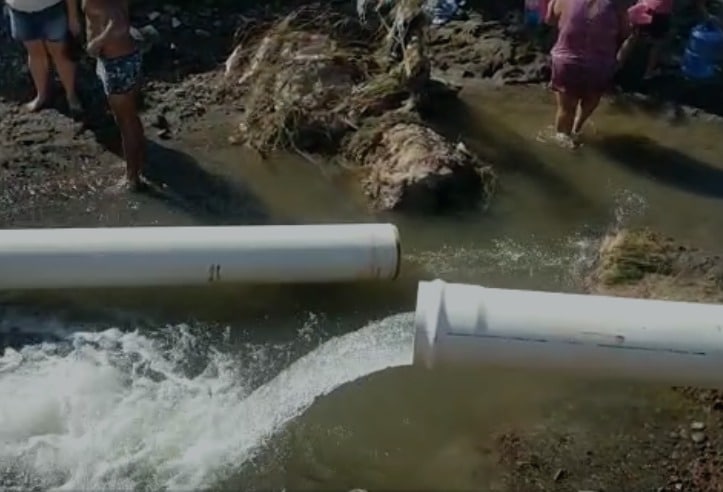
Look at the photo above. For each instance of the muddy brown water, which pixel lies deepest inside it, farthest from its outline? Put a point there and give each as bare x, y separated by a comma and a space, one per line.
401, 428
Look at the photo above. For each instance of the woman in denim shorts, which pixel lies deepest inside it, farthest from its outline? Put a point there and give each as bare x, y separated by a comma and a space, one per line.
44, 26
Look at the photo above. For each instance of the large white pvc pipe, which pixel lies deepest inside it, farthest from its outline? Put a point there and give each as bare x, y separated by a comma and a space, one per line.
151, 256
657, 341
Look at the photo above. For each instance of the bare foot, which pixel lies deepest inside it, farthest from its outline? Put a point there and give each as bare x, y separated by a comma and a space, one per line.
127, 184
36, 104
74, 106
136, 184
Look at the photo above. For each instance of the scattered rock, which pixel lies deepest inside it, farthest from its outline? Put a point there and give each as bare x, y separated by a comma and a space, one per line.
161, 122
146, 37
697, 426
697, 437
479, 48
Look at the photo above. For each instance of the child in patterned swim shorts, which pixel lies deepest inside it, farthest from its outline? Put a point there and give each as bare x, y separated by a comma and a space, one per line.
119, 70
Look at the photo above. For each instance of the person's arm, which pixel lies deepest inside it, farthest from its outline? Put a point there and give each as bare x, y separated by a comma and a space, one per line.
552, 15
114, 18
73, 17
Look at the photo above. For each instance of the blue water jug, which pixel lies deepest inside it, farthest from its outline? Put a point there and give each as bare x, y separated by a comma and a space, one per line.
532, 14
704, 52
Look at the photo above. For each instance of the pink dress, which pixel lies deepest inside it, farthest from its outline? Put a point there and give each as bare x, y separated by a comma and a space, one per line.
584, 56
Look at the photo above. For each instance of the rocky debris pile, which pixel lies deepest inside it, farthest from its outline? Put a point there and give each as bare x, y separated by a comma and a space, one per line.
501, 50
319, 81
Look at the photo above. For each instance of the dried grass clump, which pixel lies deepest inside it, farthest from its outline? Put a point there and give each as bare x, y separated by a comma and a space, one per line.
643, 264
294, 80
316, 75
630, 255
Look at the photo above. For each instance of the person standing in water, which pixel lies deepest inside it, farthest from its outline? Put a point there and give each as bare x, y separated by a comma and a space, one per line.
44, 27
651, 19
584, 59
119, 68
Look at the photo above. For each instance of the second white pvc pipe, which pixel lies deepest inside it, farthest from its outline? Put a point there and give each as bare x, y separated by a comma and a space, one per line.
660, 341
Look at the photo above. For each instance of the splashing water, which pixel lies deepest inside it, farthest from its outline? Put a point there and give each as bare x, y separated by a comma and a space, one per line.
118, 410
504, 256
628, 207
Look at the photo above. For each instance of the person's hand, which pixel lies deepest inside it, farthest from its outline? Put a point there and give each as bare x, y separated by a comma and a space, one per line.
74, 25
93, 48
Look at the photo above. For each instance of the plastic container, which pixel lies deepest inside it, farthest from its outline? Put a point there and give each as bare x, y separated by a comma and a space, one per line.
704, 52
534, 16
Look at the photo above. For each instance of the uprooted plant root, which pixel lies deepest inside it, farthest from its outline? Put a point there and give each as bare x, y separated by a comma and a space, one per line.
358, 146
409, 166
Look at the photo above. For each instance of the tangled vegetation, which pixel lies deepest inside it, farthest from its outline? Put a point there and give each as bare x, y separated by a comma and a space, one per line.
313, 76
644, 264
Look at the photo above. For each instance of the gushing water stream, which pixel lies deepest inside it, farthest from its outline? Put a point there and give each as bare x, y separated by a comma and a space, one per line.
118, 410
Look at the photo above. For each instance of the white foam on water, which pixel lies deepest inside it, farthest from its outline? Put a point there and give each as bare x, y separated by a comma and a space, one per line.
114, 410
502, 256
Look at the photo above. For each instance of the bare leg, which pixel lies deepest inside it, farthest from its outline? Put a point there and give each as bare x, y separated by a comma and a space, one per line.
565, 117
588, 105
133, 138
66, 72
653, 59
626, 49
39, 66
